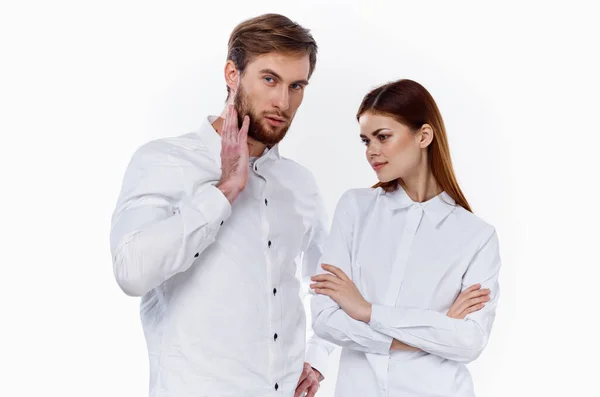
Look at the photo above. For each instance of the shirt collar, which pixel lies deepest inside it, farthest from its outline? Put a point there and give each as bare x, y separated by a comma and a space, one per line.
212, 140
436, 209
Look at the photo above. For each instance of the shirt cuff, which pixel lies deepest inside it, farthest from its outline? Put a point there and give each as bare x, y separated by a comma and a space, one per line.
380, 317
212, 205
317, 356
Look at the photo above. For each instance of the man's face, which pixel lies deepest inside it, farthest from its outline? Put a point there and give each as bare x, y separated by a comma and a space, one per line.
270, 92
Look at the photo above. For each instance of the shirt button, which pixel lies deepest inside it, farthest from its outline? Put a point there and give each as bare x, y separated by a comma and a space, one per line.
221, 223
274, 291
255, 167
266, 202
275, 337
269, 243
276, 386
197, 254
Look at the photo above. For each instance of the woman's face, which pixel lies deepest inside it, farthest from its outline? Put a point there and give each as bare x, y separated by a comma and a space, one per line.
393, 149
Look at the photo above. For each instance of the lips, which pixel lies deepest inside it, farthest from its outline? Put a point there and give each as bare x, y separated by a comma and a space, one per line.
275, 121
378, 166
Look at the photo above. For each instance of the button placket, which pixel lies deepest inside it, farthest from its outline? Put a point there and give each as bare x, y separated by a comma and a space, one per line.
402, 253
271, 279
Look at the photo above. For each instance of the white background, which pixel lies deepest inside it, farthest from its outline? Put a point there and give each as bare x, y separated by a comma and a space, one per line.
83, 84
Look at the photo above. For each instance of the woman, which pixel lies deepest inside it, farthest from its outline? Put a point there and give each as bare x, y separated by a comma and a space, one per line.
399, 254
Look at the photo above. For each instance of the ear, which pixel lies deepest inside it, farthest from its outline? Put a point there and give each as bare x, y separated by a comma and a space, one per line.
232, 76
426, 136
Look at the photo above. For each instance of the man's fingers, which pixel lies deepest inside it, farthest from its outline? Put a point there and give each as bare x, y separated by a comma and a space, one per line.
325, 284
335, 270
324, 291
312, 390
226, 133
326, 277
302, 377
234, 127
243, 137
302, 387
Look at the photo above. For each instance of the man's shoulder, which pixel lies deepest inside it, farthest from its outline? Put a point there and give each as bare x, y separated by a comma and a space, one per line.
171, 149
299, 172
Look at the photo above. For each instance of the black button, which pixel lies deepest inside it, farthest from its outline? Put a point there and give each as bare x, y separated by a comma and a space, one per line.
255, 168
275, 337
221, 223
197, 254
274, 291
266, 202
269, 243
276, 386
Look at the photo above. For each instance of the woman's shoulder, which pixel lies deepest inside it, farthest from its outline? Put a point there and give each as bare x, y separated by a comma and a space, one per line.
360, 196
474, 222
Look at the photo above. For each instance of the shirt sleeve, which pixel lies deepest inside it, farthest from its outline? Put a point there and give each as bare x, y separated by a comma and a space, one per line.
436, 333
330, 322
157, 230
318, 350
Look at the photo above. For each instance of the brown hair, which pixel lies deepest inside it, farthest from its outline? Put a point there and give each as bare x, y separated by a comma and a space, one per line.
409, 103
269, 33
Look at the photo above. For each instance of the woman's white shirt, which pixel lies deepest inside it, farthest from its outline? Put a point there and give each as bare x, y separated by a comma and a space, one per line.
410, 260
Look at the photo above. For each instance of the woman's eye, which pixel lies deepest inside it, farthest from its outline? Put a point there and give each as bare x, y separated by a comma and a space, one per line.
382, 137
270, 79
365, 141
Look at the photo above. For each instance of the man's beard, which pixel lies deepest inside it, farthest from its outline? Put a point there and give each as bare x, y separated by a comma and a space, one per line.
266, 134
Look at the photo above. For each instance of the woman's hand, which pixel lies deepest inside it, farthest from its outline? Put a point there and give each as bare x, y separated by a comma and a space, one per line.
339, 287
470, 300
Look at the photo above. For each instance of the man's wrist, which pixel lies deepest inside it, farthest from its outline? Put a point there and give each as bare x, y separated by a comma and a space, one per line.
229, 190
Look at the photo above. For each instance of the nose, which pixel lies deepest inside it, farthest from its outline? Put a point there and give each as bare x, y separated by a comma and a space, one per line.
282, 99
372, 151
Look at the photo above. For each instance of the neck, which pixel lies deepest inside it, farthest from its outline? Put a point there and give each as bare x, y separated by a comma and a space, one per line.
421, 186
255, 148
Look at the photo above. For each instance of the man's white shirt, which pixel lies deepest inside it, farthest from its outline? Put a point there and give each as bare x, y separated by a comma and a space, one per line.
221, 301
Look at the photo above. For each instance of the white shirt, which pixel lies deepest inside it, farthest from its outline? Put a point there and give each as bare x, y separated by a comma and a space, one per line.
221, 307
410, 260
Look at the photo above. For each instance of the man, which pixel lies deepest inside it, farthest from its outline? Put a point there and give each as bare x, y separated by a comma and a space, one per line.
209, 228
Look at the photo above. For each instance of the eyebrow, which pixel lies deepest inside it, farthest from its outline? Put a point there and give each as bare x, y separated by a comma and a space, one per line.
271, 71
374, 133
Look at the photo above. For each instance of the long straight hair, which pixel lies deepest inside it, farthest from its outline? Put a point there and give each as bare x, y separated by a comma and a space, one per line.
409, 103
